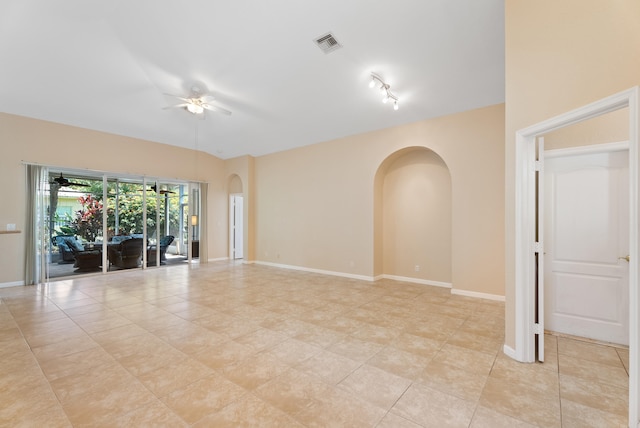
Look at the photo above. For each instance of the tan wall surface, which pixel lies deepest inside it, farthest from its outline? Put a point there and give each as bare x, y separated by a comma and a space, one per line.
34, 141
561, 55
310, 207
315, 204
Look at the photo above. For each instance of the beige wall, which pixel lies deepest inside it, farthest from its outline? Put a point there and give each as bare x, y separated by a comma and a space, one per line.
609, 128
315, 204
310, 207
28, 140
416, 216
561, 55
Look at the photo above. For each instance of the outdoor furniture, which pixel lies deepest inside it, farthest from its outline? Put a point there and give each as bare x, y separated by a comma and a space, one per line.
88, 259
64, 244
165, 241
127, 254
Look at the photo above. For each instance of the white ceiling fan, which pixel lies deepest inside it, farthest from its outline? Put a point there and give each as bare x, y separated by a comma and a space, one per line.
198, 103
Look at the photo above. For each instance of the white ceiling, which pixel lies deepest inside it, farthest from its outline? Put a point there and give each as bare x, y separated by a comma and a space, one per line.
105, 65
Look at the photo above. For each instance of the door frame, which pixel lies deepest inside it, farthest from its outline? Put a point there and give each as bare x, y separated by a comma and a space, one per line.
525, 230
232, 225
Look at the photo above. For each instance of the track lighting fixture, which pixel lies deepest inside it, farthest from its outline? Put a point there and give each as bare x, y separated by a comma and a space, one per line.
385, 89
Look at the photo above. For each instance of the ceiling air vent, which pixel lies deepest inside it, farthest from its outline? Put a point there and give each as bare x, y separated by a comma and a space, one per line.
327, 43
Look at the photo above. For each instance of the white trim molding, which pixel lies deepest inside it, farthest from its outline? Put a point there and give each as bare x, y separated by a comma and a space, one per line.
585, 150
416, 280
321, 271
478, 295
11, 284
509, 351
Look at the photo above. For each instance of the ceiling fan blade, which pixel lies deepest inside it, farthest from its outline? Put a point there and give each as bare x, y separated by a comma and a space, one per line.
207, 99
217, 109
77, 184
175, 106
186, 100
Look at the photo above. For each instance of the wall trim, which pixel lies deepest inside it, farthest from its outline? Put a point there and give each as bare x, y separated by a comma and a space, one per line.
509, 351
478, 295
585, 150
321, 271
416, 280
218, 259
11, 284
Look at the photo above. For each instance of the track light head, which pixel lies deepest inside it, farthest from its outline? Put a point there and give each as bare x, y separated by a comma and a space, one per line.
385, 89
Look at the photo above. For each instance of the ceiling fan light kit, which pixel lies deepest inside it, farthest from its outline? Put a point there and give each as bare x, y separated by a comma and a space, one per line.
197, 104
385, 88
195, 108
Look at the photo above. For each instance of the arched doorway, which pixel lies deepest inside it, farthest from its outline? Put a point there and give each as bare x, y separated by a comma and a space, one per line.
412, 219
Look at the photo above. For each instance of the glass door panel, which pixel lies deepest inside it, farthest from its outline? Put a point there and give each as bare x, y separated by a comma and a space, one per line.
75, 224
172, 223
125, 224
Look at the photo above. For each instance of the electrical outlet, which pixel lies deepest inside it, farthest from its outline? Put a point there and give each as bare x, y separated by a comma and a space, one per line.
11, 226
417, 268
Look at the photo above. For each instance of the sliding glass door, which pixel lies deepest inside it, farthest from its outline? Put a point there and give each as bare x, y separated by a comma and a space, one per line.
100, 222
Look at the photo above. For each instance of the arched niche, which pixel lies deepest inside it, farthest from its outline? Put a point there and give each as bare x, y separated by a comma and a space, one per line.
235, 184
412, 218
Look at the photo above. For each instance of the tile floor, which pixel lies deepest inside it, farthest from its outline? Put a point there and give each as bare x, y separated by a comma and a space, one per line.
247, 345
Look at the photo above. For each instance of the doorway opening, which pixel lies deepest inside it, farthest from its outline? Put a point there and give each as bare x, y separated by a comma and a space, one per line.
529, 267
236, 218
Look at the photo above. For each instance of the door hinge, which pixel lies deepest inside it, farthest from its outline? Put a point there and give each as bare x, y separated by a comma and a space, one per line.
538, 165
537, 329
537, 247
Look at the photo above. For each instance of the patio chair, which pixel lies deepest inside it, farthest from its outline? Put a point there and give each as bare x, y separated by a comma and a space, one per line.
165, 241
127, 254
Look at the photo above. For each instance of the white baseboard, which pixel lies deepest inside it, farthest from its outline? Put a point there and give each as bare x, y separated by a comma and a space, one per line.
11, 284
415, 280
509, 351
478, 295
321, 271
219, 259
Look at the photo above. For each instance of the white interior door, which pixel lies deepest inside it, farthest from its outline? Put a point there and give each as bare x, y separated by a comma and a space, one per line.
587, 245
237, 220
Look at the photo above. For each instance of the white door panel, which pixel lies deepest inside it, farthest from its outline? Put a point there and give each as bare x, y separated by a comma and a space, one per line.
237, 227
586, 231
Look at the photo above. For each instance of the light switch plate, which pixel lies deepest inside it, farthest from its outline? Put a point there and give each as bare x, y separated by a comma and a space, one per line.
11, 226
